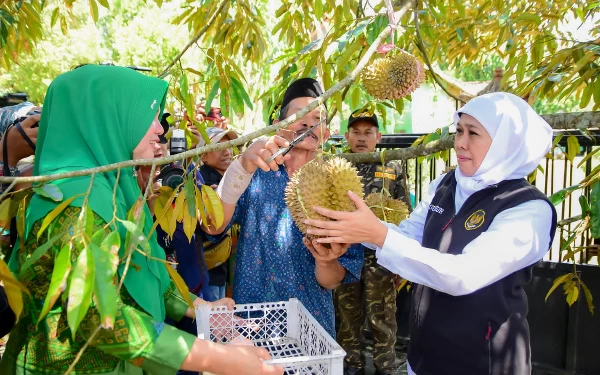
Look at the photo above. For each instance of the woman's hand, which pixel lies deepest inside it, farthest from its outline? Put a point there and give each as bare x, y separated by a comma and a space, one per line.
224, 302
256, 155
348, 227
323, 254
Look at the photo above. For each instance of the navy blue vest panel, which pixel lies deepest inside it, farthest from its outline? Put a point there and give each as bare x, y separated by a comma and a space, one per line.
485, 332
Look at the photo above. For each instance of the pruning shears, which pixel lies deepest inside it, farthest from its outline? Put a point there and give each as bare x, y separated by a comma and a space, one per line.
295, 141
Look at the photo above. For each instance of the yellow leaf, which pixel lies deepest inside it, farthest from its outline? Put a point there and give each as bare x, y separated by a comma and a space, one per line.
177, 210
94, 10
559, 280
13, 288
573, 294
163, 208
200, 207
189, 224
213, 205
588, 297
5, 214
54, 213
180, 284
572, 147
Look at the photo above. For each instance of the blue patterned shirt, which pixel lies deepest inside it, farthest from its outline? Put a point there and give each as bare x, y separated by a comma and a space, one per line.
272, 263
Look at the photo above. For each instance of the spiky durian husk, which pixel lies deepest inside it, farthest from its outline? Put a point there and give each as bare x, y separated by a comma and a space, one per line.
395, 209
323, 183
393, 77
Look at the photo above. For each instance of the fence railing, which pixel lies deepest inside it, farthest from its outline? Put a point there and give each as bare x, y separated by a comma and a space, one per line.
558, 173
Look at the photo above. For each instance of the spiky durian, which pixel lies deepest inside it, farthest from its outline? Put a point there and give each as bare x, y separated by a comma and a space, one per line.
323, 183
393, 77
387, 208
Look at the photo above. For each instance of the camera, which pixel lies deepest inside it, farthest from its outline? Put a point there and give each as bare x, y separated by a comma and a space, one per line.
214, 114
172, 174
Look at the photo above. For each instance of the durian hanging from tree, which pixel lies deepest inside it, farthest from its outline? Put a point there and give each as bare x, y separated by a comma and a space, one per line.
393, 77
323, 183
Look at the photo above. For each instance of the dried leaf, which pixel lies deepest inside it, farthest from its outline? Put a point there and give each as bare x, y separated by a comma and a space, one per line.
5, 213
81, 285
180, 284
58, 283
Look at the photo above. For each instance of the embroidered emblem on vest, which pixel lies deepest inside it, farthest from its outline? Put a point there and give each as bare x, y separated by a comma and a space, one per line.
475, 220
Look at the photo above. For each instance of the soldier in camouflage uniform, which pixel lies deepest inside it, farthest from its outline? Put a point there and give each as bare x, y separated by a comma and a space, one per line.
377, 285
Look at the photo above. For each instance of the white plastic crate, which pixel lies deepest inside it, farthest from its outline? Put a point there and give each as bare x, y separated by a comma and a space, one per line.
286, 329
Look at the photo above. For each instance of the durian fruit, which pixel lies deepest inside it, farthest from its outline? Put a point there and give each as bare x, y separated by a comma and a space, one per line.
395, 209
393, 77
323, 183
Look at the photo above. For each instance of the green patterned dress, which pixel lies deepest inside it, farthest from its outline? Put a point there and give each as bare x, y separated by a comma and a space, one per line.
136, 345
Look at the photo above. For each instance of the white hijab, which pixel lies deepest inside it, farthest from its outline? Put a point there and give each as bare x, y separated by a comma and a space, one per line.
520, 140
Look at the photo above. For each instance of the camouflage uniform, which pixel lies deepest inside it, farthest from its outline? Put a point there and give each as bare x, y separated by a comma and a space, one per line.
376, 288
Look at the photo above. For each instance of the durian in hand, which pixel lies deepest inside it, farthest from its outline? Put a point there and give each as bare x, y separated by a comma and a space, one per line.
393, 77
395, 209
323, 183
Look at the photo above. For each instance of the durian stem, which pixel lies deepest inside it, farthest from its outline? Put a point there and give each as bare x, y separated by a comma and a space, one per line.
421, 47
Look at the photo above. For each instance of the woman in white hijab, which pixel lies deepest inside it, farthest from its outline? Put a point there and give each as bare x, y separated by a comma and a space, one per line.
470, 244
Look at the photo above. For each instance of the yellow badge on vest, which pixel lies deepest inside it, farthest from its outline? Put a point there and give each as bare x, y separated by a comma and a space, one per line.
475, 220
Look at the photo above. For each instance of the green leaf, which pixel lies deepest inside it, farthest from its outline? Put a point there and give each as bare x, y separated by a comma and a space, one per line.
54, 213
106, 260
104, 3
212, 94
39, 252
183, 86
85, 225
586, 96
573, 147
557, 282
49, 191
58, 283
560, 195
180, 285
587, 157
595, 209
135, 234
81, 285
521, 68
585, 207
189, 193
242, 92
94, 10
54, 17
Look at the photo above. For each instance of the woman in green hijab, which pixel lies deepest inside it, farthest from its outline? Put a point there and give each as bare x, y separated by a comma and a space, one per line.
93, 116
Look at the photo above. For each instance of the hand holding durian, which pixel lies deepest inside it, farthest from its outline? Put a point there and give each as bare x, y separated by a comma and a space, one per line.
357, 226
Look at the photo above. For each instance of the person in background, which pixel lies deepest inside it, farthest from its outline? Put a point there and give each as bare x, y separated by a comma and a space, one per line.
273, 262
470, 245
214, 165
376, 289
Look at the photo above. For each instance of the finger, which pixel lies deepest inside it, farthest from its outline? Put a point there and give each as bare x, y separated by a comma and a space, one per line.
258, 160
265, 155
360, 204
280, 141
323, 224
262, 353
30, 121
335, 215
336, 239
272, 370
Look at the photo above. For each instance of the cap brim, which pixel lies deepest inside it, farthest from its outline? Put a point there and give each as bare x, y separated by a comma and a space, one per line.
370, 120
217, 138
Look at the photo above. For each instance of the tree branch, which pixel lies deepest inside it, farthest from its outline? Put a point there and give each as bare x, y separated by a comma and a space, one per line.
421, 47
237, 142
194, 39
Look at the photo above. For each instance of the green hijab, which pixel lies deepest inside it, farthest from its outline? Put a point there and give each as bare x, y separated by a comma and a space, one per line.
92, 116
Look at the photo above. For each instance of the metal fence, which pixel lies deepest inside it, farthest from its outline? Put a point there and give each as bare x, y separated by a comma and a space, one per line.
558, 173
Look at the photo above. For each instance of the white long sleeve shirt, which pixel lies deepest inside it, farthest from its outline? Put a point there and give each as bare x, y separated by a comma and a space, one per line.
516, 238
